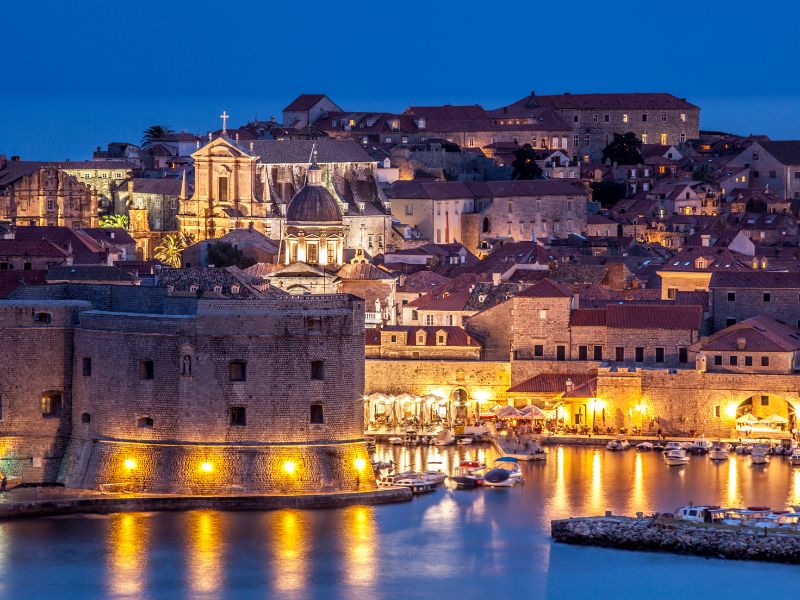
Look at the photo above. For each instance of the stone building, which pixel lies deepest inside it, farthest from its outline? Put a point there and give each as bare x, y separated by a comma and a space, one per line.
103, 176
775, 165
251, 184
189, 404
34, 193
595, 118
420, 342
736, 296
33, 255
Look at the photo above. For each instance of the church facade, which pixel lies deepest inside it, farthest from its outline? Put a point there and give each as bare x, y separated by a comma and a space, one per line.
250, 184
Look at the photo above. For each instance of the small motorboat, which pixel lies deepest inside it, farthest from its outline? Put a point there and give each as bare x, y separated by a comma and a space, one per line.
658, 446
468, 475
686, 445
672, 446
700, 514
719, 451
505, 473
645, 446
417, 485
444, 438
379, 465
700, 446
465, 441
676, 457
744, 449
760, 454
618, 444
532, 452
794, 457
395, 440
411, 439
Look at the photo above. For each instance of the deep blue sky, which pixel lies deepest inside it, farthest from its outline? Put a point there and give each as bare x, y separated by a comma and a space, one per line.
75, 75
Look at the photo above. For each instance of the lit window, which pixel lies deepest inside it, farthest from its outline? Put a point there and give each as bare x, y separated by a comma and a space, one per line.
51, 404
625, 118
683, 117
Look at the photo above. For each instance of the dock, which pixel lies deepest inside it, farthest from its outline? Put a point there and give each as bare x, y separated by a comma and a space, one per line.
665, 534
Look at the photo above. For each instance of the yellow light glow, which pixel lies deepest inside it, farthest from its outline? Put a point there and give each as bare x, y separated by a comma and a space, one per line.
482, 395
206, 467
360, 464
130, 464
730, 409
641, 407
289, 467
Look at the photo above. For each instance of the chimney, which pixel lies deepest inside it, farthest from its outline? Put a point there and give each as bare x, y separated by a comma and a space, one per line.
705, 240
3, 161
741, 343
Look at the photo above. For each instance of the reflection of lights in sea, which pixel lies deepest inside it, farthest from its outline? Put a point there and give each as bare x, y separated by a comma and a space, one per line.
127, 554
359, 543
290, 538
733, 482
205, 548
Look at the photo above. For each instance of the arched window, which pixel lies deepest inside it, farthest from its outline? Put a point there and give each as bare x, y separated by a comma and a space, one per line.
486, 225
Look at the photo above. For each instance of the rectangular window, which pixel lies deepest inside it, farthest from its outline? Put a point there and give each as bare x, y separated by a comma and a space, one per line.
429, 320
659, 355
409, 209
238, 416
619, 353
538, 350
731, 296
764, 400
583, 352
773, 174
561, 353
663, 118
671, 293
683, 117
730, 321
146, 369
683, 356
748, 361
594, 118
43, 317
316, 416
331, 253
718, 359
237, 370
767, 297
625, 118
313, 256
765, 361
51, 404
576, 140
606, 118
644, 118
318, 370
639, 354
586, 139
598, 353
87, 366
733, 360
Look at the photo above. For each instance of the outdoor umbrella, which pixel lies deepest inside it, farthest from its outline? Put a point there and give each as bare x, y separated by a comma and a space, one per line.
747, 419
508, 412
775, 419
533, 412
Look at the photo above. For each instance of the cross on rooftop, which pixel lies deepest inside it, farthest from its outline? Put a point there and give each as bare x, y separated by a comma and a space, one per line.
224, 116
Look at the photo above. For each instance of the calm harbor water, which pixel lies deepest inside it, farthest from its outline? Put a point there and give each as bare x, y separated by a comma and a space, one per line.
468, 543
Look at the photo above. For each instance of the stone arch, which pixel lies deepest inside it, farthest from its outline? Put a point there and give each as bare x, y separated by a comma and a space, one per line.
766, 404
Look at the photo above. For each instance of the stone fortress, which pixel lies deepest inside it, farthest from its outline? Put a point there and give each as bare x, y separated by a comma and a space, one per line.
135, 389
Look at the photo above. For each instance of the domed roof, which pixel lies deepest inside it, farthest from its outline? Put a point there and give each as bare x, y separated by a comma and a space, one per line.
313, 204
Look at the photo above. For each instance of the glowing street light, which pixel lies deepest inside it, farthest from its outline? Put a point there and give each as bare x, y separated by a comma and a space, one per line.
206, 467
289, 467
360, 464
130, 464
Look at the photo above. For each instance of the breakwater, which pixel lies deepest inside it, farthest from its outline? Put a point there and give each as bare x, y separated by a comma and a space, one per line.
664, 534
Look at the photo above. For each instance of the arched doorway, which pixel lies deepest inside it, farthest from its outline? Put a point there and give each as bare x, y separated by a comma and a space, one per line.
767, 414
459, 399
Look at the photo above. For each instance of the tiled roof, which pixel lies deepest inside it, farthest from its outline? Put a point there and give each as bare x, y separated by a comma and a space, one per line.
166, 186
787, 152
31, 248
654, 316
304, 102
299, 151
11, 280
88, 273
556, 383
756, 279
181, 280
110, 235
758, 334
452, 301
422, 282
588, 317
632, 101
444, 190
546, 288
364, 271
456, 336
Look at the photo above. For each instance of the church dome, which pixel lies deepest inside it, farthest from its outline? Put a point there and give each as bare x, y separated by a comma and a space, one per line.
313, 204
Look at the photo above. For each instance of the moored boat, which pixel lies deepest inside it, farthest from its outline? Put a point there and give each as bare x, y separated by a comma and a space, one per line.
719, 451
700, 446
465, 441
760, 454
504, 473
468, 474
444, 438
395, 440
794, 457
618, 444
645, 446
676, 457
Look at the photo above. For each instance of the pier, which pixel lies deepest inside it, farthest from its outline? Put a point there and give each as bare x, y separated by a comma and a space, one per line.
665, 534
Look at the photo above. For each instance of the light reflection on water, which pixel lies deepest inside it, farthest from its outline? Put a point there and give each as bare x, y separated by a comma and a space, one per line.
470, 543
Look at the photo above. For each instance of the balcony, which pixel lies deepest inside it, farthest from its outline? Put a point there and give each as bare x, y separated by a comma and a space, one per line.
373, 318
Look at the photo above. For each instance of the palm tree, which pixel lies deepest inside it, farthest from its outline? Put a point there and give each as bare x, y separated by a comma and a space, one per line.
170, 249
116, 221
154, 132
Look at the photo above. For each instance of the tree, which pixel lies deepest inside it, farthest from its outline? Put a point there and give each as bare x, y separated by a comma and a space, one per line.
524, 164
115, 221
225, 254
170, 249
623, 150
154, 132
703, 172
607, 193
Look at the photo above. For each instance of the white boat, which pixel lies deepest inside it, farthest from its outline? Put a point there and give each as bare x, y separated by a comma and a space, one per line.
504, 473
467, 475
672, 446
618, 444
759, 455
700, 514
744, 448
719, 451
444, 438
645, 446
395, 440
700, 446
416, 485
534, 452
676, 457
465, 441
794, 457
685, 445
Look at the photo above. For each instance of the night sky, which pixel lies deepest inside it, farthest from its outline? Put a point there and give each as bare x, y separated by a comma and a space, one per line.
76, 75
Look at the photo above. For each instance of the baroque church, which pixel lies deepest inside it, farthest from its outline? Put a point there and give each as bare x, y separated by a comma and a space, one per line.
251, 184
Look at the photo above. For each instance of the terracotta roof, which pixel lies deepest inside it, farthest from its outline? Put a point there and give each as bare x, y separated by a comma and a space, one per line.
110, 235
456, 336
556, 383
452, 301
299, 151
304, 102
422, 282
632, 101
654, 316
32, 248
363, 271
756, 279
78, 273
546, 288
758, 334
588, 317
786, 152
166, 186
444, 190
11, 280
